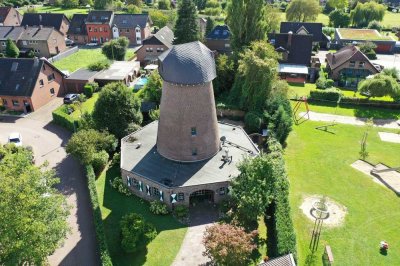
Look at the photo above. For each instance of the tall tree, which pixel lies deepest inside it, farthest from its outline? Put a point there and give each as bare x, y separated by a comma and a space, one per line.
186, 27
152, 90
116, 109
303, 10
339, 19
363, 14
245, 19
338, 4
101, 4
33, 213
116, 49
11, 49
209, 26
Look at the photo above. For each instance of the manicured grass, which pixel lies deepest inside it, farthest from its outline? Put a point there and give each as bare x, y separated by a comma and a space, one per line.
52, 9
322, 18
319, 163
161, 251
87, 106
391, 19
362, 34
83, 58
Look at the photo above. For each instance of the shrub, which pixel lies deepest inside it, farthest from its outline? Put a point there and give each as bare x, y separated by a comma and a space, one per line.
97, 219
328, 95
98, 66
181, 211
99, 160
61, 118
119, 185
376, 25
164, 4
136, 232
88, 90
158, 207
330, 83
82, 98
253, 122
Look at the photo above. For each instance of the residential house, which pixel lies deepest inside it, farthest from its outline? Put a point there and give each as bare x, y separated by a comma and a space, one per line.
43, 41
135, 27
26, 84
9, 16
98, 26
219, 39
154, 45
295, 51
58, 21
77, 29
384, 43
348, 66
306, 28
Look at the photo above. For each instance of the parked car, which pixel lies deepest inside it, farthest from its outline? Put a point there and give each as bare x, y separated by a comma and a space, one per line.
15, 138
69, 42
92, 44
70, 98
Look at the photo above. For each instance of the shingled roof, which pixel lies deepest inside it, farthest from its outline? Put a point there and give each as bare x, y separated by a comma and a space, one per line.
100, 17
43, 19
190, 63
131, 20
164, 36
36, 33
77, 24
4, 12
220, 32
286, 260
10, 32
345, 54
315, 29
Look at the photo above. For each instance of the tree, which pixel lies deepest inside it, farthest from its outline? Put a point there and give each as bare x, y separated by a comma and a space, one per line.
201, 4
133, 9
164, 4
137, 3
368, 48
228, 244
33, 212
303, 10
159, 18
70, 3
116, 108
209, 26
11, 49
101, 4
186, 27
225, 74
380, 85
392, 71
152, 89
363, 14
116, 49
246, 21
338, 4
135, 232
85, 144
256, 74
339, 19
376, 25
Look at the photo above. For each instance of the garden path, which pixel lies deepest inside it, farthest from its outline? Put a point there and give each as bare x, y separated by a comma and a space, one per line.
385, 123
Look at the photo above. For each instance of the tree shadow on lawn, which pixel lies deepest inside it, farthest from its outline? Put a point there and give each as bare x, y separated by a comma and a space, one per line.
119, 205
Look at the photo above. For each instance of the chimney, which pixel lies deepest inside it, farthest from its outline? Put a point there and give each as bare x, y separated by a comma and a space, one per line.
289, 41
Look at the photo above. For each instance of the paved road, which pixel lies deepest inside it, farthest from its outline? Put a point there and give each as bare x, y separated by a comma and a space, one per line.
48, 143
388, 60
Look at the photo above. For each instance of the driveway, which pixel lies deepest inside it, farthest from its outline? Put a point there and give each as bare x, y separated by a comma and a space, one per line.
48, 142
388, 60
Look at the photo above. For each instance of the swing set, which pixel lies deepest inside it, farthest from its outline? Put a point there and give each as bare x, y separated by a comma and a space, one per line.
304, 117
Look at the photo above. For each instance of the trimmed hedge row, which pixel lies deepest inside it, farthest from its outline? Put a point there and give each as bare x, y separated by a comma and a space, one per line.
329, 95
98, 221
61, 118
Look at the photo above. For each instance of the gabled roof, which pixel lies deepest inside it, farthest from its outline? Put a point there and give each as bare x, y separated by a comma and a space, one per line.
4, 12
220, 32
190, 63
312, 28
44, 19
77, 24
10, 32
299, 50
286, 260
347, 53
131, 20
164, 36
100, 17
36, 33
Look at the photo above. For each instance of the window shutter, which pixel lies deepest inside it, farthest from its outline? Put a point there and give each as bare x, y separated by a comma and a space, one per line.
173, 198
161, 196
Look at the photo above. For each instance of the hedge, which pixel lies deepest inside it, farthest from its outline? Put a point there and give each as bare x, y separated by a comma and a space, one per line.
61, 118
98, 221
352, 101
328, 94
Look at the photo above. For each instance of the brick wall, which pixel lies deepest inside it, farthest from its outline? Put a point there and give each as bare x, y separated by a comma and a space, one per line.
151, 50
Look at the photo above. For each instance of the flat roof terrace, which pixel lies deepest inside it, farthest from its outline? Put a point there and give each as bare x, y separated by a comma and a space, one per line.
139, 155
362, 35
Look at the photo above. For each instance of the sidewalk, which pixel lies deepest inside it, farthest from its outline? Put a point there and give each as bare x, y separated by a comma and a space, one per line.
357, 121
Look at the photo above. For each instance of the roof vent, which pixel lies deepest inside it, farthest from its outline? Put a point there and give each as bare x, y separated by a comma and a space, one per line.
138, 145
14, 66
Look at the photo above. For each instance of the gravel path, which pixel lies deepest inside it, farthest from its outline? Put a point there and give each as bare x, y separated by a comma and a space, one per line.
384, 123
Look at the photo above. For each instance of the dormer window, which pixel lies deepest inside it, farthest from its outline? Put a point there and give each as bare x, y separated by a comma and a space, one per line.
361, 64
124, 21
352, 63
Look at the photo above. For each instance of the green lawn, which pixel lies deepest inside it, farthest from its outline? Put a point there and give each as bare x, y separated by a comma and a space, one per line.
324, 19
87, 106
52, 9
319, 163
161, 251
83, 58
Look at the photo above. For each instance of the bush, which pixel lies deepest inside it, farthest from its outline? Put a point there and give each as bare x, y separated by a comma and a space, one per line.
330, 83
88, 90
119, 185
164, 4
100, 160
62, 118
98, 66
136, 232
97, 219
376, 25
329, 95
252, 122
181, 211
371, 55
158, 207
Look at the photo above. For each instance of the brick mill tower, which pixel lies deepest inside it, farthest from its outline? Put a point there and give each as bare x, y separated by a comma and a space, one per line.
188, 128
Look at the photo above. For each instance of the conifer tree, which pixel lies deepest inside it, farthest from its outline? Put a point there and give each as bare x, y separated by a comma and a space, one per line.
11, 49
186, 27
